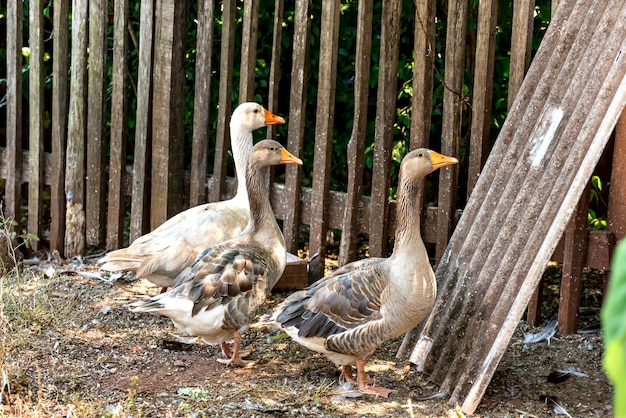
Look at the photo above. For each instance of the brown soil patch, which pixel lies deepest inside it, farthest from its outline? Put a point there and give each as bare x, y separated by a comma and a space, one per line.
70, 347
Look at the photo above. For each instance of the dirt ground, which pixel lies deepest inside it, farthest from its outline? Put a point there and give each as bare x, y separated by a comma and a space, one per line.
71, 348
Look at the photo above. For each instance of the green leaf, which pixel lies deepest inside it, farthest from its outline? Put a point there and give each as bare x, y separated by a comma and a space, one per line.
613, 317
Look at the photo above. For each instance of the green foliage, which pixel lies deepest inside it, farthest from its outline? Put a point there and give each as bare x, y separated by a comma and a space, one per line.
613, 317
595, 197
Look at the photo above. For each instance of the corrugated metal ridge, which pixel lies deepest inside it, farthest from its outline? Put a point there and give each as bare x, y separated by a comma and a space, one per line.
525, 195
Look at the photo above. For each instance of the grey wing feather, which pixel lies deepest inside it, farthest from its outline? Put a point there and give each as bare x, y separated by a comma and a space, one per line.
336, 303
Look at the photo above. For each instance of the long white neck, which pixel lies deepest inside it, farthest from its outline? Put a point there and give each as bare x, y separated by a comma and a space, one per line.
241, 143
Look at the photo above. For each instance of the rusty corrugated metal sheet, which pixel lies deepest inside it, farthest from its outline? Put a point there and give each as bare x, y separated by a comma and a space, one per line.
553, 137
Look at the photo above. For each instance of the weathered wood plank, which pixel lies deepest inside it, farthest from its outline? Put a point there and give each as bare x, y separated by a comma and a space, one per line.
577, 68
451, 123
275, 73
297, 113
521, 43
60, 102
35, 118
168, 107
96, 180
573, 263
356, 145
75, 157
327, 76
423, 77
533, 313
385, 118
222, 140
119, 131
483, 90
14, 35
617, 193
139, 210
202, 103
248, 50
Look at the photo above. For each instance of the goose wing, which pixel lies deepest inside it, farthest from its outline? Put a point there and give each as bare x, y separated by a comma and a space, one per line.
344, 300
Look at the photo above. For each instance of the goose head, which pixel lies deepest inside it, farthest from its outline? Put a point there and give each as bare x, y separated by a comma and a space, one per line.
269, 152
250, 116
422, 161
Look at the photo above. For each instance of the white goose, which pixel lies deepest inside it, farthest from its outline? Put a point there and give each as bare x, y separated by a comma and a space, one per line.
217, 296
162, 254
349, 313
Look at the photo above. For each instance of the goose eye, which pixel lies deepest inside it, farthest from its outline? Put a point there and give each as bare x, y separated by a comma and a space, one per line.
420, 154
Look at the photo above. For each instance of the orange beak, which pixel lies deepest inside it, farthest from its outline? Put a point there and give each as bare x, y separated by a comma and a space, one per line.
272, 119
289, 158
440, 160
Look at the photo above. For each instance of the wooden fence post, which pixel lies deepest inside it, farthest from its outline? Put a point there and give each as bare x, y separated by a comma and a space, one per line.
60, 101
218, 179
95, 221
119, 131
274, 78
617, 194
15, 16
329, 39
356, 145
297, 113
451, 125
168, 111
202, 103
139, 211
248, 50
75, 157
385, 118
35, 117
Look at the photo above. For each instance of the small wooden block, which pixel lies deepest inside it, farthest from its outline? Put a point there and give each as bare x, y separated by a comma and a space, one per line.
295, 276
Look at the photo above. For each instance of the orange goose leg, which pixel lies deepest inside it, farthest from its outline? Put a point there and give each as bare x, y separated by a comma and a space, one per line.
236, 354
362, 382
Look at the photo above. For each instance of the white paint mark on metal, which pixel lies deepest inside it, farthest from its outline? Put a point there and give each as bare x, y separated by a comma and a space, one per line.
544, 136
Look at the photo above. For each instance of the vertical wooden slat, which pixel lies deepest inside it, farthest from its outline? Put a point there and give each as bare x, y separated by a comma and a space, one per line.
297, 113
119, 132
14, 109
483, 89
451, 123
96, 181
325, 112
617, 193
60, 100
217, 184
423, 68
202, 103
349, 233
35, 119
574, 253
521, 42
533, 315
385, 118
75, 158
168, 107
277, 36
139, 212
248, 50
423, 83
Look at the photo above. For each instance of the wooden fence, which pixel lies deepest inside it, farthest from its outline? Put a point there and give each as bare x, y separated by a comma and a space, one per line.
89, 189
